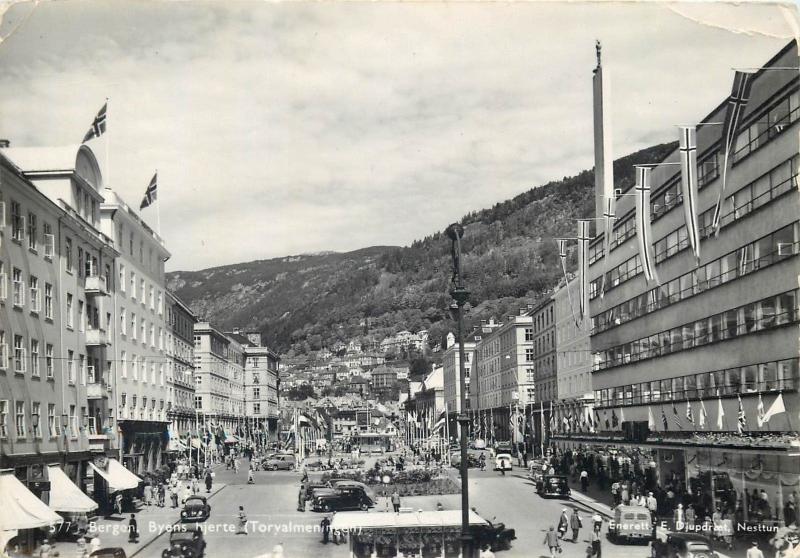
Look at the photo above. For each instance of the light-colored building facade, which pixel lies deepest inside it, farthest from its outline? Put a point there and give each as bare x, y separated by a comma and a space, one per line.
138, 336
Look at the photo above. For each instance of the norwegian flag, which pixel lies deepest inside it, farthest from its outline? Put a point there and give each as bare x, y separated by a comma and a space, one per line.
741, 423
151, 194
689, 414
98, 125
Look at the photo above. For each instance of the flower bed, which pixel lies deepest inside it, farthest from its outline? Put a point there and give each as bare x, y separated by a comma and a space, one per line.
408, 483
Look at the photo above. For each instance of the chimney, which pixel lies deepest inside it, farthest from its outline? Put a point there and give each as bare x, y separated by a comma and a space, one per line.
5, 143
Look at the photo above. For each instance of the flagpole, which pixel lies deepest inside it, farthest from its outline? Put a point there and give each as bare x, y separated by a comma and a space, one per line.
158, 212
107, 142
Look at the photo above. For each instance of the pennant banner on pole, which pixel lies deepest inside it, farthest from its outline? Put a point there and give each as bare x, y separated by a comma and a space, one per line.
562, 255
583, 267
742, 81
688, 152
643, 230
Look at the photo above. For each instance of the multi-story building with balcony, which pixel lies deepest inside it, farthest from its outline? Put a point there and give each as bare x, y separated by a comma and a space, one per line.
55, 311
675, 365
180, 367
138, 336
261, 399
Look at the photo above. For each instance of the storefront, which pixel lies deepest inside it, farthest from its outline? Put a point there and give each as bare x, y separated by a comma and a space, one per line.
24, 517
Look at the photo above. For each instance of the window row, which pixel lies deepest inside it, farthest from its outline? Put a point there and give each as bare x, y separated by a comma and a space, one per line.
140, 290
767, 188
768, 126
141, 330
70, 424
771, 312
778, 246
139, 367
27, 226
777, 375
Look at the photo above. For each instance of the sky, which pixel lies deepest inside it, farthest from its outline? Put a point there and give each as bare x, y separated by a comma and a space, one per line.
289, 128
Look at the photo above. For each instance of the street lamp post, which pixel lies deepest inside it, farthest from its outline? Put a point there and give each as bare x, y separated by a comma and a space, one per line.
460, 296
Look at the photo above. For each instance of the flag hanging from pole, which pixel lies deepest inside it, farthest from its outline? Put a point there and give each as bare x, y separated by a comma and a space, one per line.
689, 414
98, 127
651, 421
664, 419
703, 415
643, 230
609, 217
688, 152
776, 408
614, 420
676, 418
583, 266
760, 411
151, 194
741, 421
562, 256
742, 81
720, 412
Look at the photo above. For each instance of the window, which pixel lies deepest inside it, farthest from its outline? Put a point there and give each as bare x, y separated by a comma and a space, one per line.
48, 359
52, 425
123, 322
160, 303
19, 355
121, 278
82, 366
81, 316
71, 367
133, 285
124, 363
152, 299
135, 367
198, 401
48, 301
529, 355
34, 357
133, 326
3, 283
35, 299
17, 222
18, 287
73, 421
3, 419
70, 319
20, 420
143, 331
142, 291
36, 411
32, 231
68, 254
80, 262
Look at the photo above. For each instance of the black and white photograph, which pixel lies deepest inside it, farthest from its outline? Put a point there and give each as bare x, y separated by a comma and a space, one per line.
383, 279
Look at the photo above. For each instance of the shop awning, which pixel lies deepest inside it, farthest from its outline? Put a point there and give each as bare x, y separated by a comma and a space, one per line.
117, 476
231, 439
197, 443
65, 496
20, 508
175, 444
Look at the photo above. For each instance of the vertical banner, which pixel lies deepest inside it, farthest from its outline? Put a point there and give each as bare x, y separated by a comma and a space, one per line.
688, 153
643, 229
583, 267
737, 102
608, 218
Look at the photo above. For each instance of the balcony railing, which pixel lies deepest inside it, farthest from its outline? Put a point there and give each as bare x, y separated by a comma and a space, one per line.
97, 338
96, 391
96, 285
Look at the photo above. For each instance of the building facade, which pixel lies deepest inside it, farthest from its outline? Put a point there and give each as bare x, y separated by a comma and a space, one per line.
685, 360
180, 367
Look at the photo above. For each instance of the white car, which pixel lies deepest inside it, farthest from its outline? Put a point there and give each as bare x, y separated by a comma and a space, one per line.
502, 462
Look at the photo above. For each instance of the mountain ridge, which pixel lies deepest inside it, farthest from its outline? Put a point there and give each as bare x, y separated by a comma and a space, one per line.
304, 302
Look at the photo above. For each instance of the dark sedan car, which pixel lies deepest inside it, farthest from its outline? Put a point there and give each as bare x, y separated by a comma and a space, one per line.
196, 508
112, 552
343, 496
185, 541
682, 545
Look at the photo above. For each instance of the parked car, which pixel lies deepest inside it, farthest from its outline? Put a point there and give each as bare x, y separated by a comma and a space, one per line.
196, 508
503, 447
554, 486
630, 523
503, 462
283, 462
682, 545
111, 552
345, 495
185, 541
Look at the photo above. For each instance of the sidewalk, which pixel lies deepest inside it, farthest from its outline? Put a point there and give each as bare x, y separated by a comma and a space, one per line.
153, 521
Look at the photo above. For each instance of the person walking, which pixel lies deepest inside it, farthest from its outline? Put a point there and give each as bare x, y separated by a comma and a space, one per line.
563, 524
551, 541
173, 494
754, 551
584, 481
195, 486
396, 501
301, 498
133, 529
325, 525
597, 521
241, 528
575, 524
596, 548
209, 480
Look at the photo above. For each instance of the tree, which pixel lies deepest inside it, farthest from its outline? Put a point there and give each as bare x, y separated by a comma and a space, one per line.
419, 368
300, 393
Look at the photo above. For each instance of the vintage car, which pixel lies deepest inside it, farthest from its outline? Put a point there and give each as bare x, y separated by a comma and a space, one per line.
535, 474
285, 462
185, 541
345, 495
502, 462
554, 486
111, 552
503, 447
196, 508
682, 545
630, 523
496, 535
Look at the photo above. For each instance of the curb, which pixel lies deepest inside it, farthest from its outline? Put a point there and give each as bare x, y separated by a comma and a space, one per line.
593, 504
165, 531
